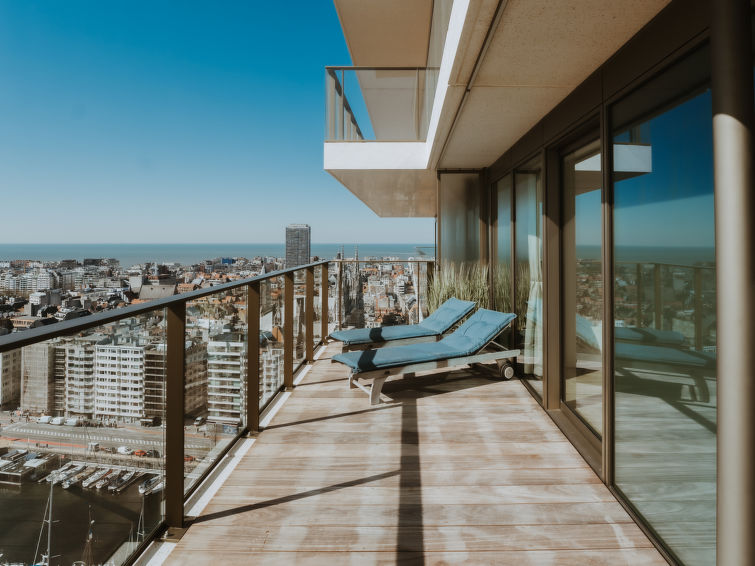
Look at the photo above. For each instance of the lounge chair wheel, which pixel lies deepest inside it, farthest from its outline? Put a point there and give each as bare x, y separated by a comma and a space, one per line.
507, 370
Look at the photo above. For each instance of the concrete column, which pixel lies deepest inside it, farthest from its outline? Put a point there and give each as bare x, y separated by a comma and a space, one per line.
735, 278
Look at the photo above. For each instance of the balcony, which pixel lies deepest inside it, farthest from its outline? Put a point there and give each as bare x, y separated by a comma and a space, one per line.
458, 468
294, 310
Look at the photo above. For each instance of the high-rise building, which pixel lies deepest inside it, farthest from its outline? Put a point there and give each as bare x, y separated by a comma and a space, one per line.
119, 382
10, 378
297, 244
226, 371
38, 378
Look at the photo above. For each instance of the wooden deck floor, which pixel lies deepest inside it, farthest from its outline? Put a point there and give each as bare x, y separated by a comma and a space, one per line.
461, 469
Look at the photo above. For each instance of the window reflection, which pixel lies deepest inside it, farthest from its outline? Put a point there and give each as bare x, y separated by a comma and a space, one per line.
528, 302
501, 250
583, 284
664, 312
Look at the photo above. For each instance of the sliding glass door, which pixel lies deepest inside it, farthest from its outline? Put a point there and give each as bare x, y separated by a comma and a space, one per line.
582, 284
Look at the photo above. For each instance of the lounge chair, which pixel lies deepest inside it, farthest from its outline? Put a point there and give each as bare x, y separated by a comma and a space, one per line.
429, 330
460, 348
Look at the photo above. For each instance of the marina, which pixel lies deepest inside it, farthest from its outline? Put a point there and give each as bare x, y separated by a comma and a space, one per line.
96, 509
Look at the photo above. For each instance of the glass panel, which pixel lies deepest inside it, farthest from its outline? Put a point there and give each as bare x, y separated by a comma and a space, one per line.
583, 284
317, 303
665, 354
460, 218
383, 104
334, 287
101, 439
529, 269
351, 295
501, 252
300, 332
271, 338
216, 354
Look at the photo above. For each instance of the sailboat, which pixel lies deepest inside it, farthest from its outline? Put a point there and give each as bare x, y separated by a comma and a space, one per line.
45, 557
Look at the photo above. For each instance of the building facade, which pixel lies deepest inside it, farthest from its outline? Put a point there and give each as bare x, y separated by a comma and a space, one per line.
38, 378
596, 161
226, 375
10, 379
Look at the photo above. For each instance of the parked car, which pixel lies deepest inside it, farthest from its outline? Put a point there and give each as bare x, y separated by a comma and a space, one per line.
140, 453
199, 421
72, 422
108, 449
57, 421
125, 450
153, 454
189, 458
45, 419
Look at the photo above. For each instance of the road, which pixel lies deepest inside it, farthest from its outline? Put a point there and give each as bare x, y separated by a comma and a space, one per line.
135, 438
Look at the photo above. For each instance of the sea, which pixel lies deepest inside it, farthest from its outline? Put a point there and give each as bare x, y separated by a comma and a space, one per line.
188, 254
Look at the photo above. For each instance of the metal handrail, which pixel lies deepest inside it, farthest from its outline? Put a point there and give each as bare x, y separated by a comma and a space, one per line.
68, 327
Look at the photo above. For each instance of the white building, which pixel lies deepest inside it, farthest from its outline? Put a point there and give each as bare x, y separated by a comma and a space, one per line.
119, 383
226, 372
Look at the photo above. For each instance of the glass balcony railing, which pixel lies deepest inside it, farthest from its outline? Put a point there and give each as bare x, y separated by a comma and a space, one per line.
166, 390
379, 103
382, 292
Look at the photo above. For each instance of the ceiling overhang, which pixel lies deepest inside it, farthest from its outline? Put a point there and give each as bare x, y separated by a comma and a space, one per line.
391, 193
386, 33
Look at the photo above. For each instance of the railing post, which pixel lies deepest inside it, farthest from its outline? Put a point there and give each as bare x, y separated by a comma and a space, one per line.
658, 296
174, 415
288, 331
324, 295
309, 307
698, 308
638, 279
253, 357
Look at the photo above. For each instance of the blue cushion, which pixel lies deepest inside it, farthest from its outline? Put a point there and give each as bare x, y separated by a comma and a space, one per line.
629, 352
649, 336
381, 334
470, 337
448, 314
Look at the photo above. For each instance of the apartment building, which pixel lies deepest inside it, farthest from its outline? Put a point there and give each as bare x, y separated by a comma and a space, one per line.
119, 380
38, 378
10, 379
226, 372
594, 159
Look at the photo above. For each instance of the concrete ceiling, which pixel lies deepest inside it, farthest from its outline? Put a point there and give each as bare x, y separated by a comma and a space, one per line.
391, 193
386, 33
539, 53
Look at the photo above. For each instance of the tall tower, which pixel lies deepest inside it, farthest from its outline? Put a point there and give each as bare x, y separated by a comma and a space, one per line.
297, 244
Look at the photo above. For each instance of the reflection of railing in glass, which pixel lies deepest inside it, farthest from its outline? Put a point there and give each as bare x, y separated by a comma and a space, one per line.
663, 296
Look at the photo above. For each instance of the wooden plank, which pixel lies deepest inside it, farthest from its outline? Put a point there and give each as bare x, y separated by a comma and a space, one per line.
462, 467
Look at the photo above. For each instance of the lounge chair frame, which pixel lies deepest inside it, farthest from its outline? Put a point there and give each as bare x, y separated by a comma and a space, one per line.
379, 376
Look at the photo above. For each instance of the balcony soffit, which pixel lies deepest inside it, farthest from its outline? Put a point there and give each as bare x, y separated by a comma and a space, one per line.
388, 33
539, 53
393, 193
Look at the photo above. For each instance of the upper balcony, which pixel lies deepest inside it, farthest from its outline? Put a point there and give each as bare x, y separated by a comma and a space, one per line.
454, 87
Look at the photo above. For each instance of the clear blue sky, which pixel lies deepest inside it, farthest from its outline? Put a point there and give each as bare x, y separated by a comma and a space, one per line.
172, 122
